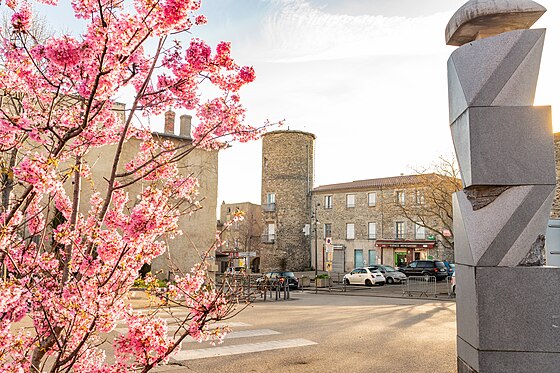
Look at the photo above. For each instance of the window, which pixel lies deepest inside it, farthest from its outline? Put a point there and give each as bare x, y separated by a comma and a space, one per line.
420, 232
350, 231
270, 198
350, 200
328, 202
328, 230
400, 197
371, 199
270, 202
270, 233
399, 229
372, 229
419, 197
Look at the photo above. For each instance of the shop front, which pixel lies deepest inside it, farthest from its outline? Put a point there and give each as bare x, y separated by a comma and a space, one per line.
399, 253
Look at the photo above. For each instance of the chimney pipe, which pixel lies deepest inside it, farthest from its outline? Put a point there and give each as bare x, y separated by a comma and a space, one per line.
169, 122
185, 129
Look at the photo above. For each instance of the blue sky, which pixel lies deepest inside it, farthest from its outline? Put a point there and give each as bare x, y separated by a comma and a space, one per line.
368, 77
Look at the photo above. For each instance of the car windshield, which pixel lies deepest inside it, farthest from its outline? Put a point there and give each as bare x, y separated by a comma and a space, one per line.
390, 269
440, 265
286, 274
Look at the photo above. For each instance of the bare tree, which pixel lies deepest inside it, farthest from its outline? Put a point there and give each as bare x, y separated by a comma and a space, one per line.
433, 207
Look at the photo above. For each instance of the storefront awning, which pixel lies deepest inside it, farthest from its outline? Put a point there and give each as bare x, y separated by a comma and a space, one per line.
406, 244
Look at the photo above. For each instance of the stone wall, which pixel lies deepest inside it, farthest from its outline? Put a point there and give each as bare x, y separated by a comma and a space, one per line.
287, 171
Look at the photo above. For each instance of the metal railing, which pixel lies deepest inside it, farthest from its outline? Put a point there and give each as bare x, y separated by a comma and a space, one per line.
268, 238
421, 285
269, 207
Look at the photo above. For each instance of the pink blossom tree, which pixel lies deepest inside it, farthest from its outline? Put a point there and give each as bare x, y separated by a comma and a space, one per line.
67, 268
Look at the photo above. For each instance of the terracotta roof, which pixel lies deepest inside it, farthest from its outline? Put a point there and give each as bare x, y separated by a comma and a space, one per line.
375, 183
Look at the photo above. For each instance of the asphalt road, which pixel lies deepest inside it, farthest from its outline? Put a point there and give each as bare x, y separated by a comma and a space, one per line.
332, 333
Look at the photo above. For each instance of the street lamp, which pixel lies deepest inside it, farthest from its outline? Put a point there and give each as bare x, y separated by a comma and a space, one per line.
315, 222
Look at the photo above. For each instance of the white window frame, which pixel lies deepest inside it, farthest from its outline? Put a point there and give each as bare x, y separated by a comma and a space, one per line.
328, 201
419, 232
350, 200
372, 235
350, 231
271, 232
372, 199
270, 198
400, 197
403, 232
420, 199
325, 230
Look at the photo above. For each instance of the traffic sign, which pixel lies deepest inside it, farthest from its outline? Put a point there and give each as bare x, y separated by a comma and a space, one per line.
248, 253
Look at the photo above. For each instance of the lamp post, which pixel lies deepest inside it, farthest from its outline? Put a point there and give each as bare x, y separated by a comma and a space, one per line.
315, 222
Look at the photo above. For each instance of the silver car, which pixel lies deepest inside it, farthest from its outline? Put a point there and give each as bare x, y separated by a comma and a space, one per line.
391, 275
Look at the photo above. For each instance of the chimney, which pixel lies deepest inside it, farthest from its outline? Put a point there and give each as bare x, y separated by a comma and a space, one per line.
169, 122
185, 130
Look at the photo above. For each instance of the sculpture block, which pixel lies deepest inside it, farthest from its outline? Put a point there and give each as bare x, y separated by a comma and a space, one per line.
488, 138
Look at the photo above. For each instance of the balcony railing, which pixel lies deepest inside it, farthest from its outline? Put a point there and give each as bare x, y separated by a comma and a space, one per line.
267, 238
269, 207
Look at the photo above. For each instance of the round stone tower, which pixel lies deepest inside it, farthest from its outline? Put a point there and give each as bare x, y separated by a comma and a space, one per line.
287, 181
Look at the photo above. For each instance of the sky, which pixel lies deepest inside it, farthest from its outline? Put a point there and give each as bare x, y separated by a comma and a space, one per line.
367, 77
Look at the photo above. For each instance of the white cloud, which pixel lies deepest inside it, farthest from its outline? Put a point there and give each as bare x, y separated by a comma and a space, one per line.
296, 31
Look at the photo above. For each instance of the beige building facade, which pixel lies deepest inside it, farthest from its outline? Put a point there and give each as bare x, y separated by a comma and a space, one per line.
364, 222
199, 228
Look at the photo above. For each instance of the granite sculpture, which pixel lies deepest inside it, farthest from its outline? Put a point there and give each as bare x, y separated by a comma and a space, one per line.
508, 303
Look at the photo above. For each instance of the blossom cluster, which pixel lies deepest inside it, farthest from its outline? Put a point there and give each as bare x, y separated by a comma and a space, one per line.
73, 234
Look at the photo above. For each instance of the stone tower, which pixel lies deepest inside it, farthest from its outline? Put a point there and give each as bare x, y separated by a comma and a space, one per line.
287, 180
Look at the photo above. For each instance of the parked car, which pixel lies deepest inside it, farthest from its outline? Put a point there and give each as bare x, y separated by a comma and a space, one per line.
390, 273
235, 270
450, 267
453, 283
364, 276
426, 268
280, 276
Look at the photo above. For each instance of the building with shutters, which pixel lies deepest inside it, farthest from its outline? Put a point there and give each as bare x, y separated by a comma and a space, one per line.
369, 222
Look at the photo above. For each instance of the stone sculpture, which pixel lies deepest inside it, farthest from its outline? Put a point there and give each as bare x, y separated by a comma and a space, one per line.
508, 304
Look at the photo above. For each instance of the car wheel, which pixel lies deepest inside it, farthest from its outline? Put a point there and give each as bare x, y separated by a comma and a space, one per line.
425, 274
368, 282
390, 280
346, 281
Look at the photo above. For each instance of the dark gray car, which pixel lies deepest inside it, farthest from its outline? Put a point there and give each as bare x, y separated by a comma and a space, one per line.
391, 274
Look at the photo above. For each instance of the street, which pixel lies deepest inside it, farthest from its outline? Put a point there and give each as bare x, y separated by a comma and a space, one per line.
331, 333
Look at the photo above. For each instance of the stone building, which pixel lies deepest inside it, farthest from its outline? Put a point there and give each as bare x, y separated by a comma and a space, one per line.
369, 222
199, 228
242, 239
287, 180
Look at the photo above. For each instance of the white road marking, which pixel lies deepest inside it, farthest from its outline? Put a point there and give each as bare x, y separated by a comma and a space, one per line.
241, 349
243, 334
173, 327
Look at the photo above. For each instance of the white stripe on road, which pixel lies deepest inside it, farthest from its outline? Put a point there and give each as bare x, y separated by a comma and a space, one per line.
243, 334
240, 349
174, 327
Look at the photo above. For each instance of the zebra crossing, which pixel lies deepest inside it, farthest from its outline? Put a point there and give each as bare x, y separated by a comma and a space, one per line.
231, 346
